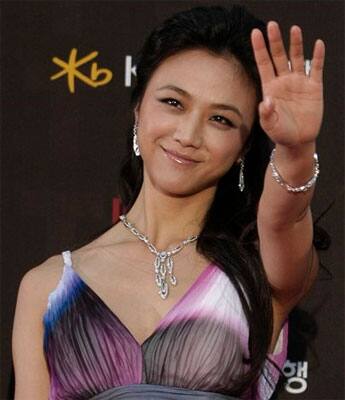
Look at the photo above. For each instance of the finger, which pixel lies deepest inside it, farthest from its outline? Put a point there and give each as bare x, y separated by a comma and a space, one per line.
318, 60
296, 50
262, 57
277, 48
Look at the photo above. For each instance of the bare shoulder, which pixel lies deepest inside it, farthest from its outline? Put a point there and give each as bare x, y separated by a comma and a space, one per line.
31, 372
39, 281
96, 256
42, 279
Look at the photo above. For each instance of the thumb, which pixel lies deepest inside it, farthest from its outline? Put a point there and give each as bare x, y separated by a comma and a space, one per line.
268, 115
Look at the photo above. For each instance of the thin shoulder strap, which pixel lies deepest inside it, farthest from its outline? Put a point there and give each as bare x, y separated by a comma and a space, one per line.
61, 286
67, 258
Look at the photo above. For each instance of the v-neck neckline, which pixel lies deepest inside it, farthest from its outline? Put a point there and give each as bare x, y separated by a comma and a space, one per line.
178, 303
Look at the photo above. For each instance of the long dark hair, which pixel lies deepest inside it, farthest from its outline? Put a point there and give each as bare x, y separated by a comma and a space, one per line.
229, 234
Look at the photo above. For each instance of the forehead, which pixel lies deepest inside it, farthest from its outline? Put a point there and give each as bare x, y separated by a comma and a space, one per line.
205, 75
202, 64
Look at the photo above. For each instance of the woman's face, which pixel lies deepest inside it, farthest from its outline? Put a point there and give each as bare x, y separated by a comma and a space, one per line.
196, 106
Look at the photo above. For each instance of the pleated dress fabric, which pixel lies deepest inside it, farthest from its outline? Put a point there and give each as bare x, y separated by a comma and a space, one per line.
194, 352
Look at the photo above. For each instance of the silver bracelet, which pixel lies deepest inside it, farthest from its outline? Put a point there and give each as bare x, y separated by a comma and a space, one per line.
276, 175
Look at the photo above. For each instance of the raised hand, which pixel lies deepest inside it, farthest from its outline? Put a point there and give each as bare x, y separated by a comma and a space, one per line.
292, 107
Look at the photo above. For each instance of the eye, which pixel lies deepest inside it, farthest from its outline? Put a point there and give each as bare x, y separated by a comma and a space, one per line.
226, 121
170, 101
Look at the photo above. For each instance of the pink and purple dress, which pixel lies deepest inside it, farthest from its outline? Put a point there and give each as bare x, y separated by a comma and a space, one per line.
193, 353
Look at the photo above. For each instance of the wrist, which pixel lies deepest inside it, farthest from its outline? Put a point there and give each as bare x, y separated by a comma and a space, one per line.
296, 169
302, 152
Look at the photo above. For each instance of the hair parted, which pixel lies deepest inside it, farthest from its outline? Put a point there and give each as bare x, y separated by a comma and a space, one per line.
229, 235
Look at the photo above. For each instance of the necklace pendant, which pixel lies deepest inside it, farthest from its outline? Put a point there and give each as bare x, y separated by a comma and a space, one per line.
163, 262
170, 264
164, 290
162, 270
160, 264
157, 264
173, 280
158, 280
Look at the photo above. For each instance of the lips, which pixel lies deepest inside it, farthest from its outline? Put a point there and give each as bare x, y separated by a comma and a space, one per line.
179, 158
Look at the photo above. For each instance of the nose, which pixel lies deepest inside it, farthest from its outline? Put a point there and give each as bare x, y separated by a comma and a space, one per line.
189, 132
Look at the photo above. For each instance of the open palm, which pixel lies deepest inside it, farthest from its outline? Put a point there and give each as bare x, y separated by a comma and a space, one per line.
291, 113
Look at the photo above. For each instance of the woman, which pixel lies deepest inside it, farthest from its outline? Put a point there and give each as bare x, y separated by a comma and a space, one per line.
188, 294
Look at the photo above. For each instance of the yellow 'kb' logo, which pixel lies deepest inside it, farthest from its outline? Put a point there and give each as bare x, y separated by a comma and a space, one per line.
71, 69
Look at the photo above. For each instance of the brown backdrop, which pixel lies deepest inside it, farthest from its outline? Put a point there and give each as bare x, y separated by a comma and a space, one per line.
61, 151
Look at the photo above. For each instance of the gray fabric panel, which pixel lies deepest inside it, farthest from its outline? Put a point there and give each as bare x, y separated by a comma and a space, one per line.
148, 392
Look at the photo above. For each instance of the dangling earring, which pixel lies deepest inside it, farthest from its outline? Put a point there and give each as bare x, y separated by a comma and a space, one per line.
135, 141
241, 177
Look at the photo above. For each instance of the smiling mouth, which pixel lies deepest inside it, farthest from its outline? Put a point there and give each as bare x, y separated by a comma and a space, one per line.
178, 158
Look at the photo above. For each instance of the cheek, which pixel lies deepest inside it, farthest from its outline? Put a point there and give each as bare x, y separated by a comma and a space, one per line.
225, 151
147, 135
153, 128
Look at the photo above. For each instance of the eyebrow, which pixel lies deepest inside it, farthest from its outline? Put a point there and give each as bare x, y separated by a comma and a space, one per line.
230, 107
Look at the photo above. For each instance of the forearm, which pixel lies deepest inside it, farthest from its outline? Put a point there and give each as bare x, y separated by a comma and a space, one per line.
285, 223
279, 208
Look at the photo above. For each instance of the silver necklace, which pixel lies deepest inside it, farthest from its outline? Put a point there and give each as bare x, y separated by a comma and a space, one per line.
163, 260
